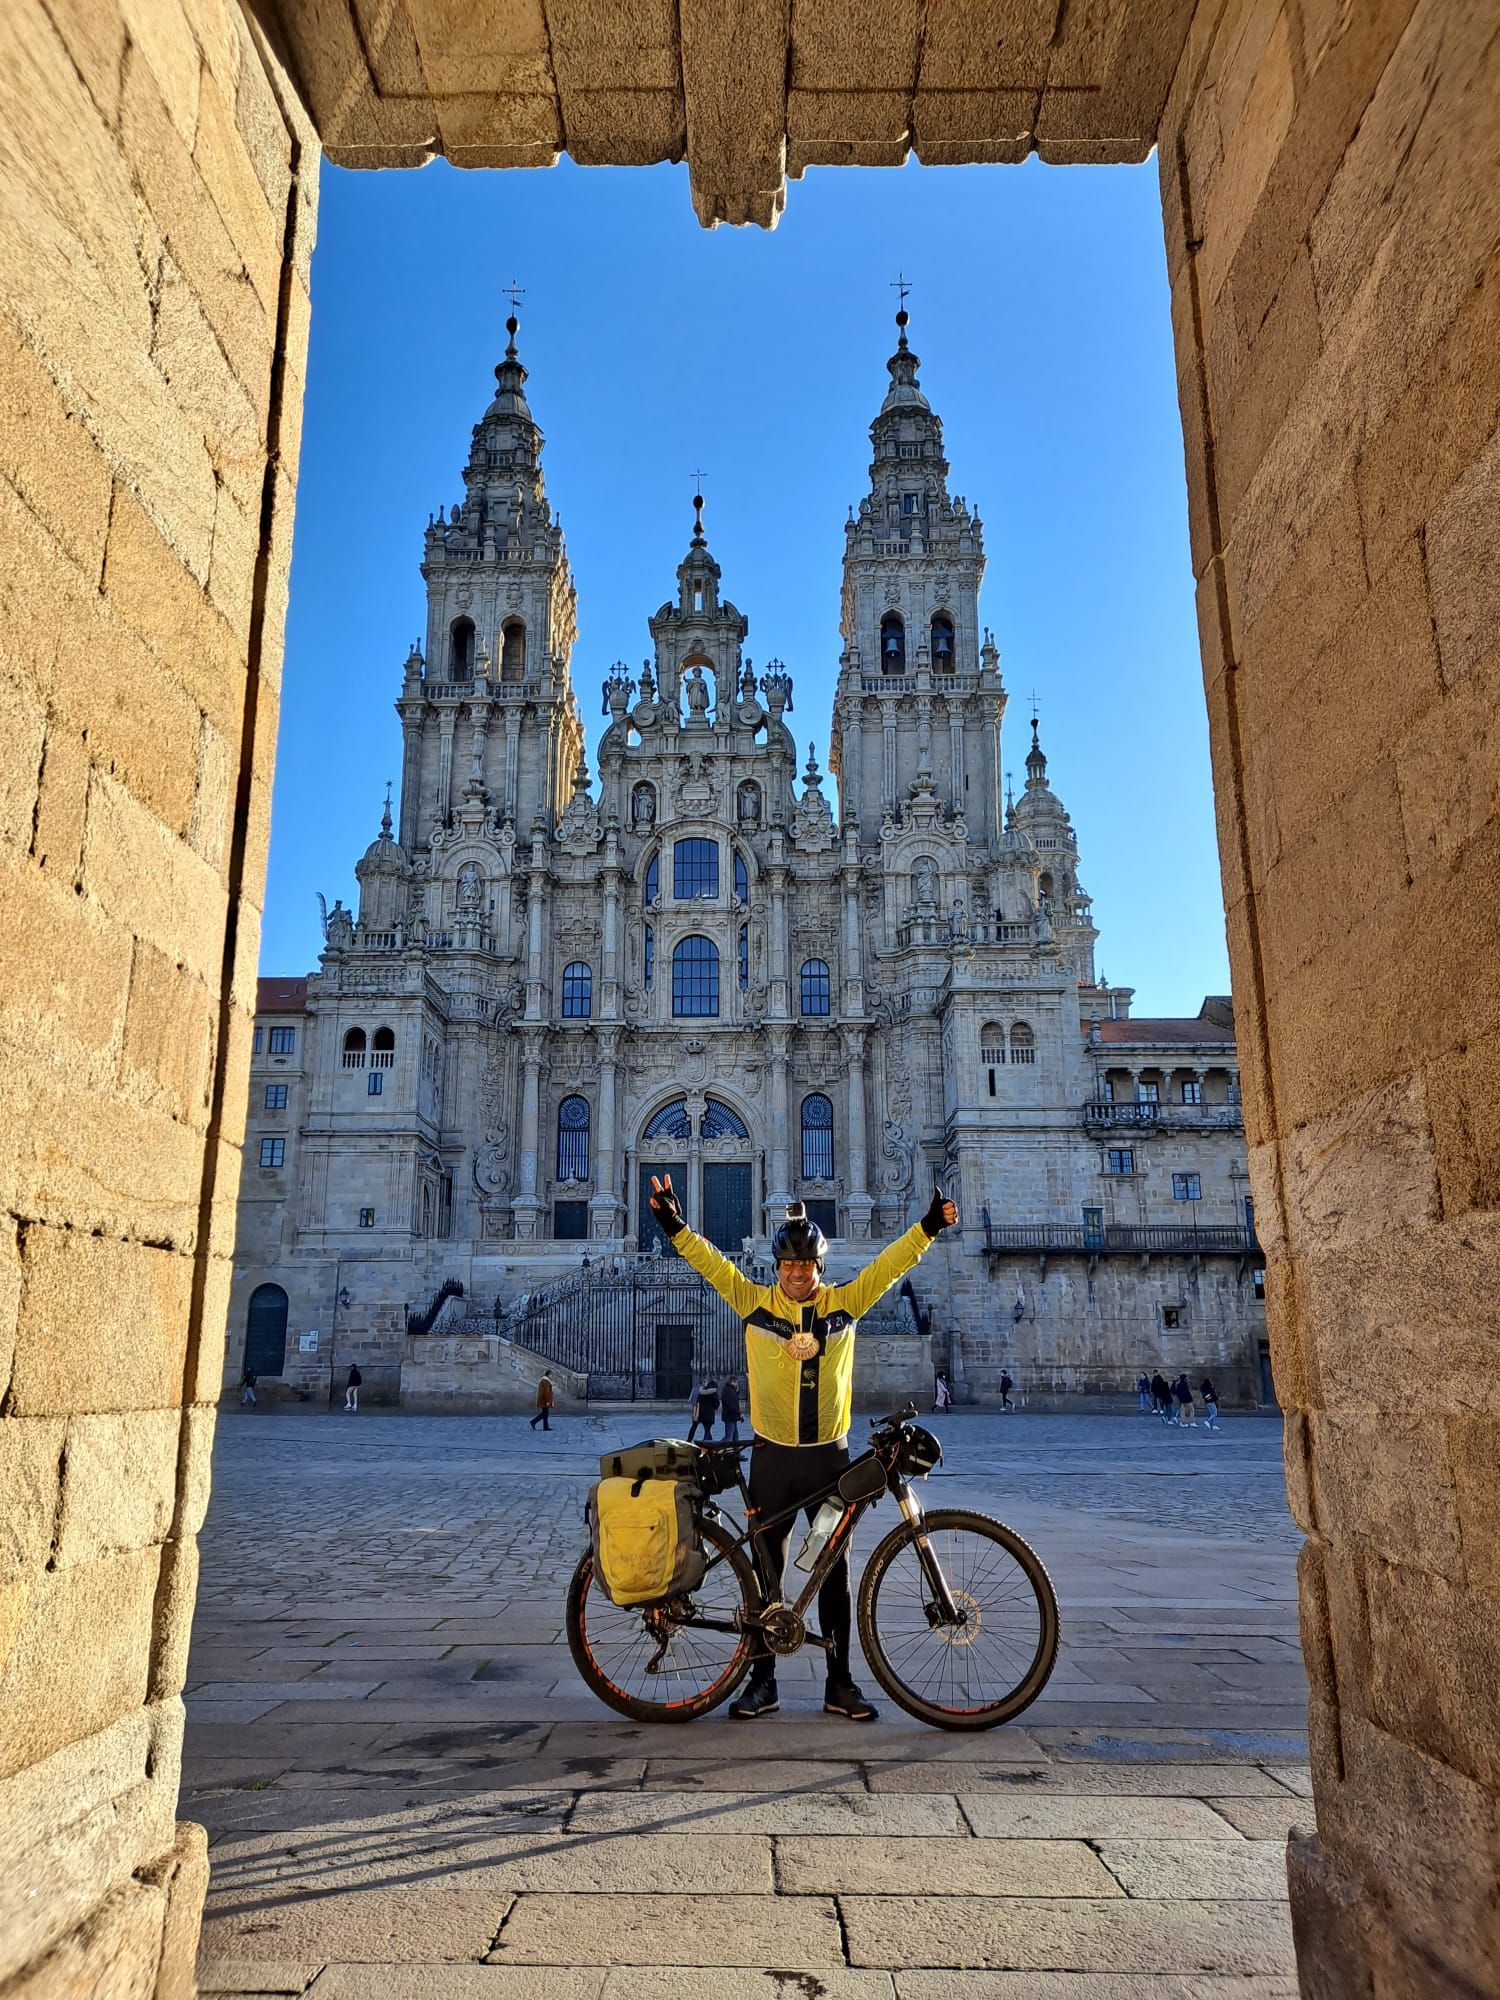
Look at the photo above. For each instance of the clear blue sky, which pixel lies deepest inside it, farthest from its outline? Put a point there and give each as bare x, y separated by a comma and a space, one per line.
1040, 312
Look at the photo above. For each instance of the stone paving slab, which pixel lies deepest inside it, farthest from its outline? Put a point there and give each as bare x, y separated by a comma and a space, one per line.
834, 1814
394, 1925
1264, 1819
1148, 1744
771, 1931
970, 1933
1088, 1986
371, 1808
458, 1982
235, 1975
1245, 1870
798, 1737
1131, 1780
673, 1982
881, 1867
1063, 1816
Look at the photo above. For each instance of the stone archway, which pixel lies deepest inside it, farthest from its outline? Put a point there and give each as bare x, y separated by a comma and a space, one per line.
1330, 202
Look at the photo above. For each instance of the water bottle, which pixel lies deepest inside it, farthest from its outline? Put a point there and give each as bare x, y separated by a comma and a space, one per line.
824, 1522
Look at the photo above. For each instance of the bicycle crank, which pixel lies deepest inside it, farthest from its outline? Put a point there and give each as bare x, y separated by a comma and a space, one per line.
783, 1629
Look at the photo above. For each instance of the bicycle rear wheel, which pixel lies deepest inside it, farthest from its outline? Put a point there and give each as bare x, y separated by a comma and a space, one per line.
993, 1665
654, 1662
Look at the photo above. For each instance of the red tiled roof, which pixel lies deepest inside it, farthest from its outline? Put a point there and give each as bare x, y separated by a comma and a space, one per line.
1163, 1030
281, 996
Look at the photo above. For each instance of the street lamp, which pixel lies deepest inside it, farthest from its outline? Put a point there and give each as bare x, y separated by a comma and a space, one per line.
340, 1299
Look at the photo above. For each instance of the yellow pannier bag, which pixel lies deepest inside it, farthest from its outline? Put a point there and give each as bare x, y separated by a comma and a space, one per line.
646, 1545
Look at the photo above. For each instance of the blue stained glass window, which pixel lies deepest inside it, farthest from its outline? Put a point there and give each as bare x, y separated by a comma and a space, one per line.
741, 880
744, 956
814, 986
817, 1138
577, 991
695, 979
695, 869
719, 1122
573, 1139
671, 1122
650, 955
653, 878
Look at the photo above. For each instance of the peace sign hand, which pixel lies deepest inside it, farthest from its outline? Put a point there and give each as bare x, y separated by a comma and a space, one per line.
665, 1206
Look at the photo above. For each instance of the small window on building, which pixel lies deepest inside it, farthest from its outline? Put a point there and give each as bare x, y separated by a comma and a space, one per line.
367, 1218
695, 979
272, 1152
276, 1097
577, 991
992, 1043
513, 651
942, 644
697, 596
1022, 1043
911, 503
255, 1041
1171, 1317
461, 650
1258, 1278
1109, 1091
741, 879
653, 880
815, 994
991, 1075
1187, 1187
744, 957
1093, 1226
695, 869
1147, 1093
283, 1041
817, 1138
1192, 1092
570, 1221
375, 1082
1119, 1160
383, 1048
649, 964
354, 1049
892, 644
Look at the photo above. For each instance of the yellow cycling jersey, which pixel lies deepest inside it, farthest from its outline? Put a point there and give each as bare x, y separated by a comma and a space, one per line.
801, 1402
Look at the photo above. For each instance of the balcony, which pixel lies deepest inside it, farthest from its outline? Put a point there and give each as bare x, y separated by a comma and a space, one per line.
1105, 1117
1076, 1239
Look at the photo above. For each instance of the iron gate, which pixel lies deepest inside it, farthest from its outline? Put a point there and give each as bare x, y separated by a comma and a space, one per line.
647, 1334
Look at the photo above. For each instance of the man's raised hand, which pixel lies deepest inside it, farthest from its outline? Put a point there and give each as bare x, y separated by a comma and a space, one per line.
665, 1205
941, 1213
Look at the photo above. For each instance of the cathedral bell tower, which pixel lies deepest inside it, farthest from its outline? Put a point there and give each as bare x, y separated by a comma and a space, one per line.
490, 725
919, 703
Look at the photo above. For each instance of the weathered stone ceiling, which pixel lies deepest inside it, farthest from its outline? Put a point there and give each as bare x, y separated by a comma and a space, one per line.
746, 91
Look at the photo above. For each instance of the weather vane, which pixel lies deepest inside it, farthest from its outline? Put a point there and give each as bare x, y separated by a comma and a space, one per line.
515, 293
903, 286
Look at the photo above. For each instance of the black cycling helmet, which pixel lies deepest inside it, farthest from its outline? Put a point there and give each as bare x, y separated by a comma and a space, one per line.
799, 1239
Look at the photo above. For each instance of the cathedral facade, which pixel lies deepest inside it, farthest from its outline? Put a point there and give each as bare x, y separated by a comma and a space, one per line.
555, 987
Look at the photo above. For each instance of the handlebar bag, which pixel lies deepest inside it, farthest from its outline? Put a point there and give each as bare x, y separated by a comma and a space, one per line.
645, 1536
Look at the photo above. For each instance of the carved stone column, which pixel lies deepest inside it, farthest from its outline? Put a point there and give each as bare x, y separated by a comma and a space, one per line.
446, 720
606, 1210
779, 1175
512, 757
858, 1205
413, 716
528, 1205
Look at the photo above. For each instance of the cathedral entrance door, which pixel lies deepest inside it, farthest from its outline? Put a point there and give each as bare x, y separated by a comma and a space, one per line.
674, 1363
648, 1234
726, 1204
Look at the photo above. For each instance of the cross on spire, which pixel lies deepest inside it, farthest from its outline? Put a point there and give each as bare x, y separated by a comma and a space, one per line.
903, 286
515, 293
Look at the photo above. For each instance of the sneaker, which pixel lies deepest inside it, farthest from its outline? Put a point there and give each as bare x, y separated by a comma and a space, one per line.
845, 1699
759, 1699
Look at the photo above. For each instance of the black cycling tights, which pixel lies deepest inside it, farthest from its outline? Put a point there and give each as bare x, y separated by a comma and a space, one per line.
781, 1475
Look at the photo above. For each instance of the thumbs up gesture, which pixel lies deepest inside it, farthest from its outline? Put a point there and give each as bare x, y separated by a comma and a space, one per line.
941, 1214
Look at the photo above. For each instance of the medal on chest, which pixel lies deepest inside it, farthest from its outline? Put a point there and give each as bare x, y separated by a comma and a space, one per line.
802, 1346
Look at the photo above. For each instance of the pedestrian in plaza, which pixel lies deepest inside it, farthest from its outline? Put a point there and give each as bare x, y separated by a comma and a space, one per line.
1210, 1405
1006, 1385
705, 1409
729, 1409
1144, 1396
942, 1396
1161, 1397
543, 1404
1183, 1391
247, 1385
351, 1387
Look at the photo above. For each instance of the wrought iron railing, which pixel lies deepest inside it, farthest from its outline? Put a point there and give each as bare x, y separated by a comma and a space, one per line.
1106, 1117
1119, 1239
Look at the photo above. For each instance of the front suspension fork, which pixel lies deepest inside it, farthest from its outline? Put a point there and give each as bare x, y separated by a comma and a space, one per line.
944, 1609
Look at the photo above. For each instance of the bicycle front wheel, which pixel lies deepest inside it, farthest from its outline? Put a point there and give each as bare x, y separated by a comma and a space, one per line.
993, 1664
666, 1662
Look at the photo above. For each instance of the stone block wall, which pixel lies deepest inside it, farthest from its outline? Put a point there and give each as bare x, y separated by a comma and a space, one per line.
482, 1372
156, 213
1333, 237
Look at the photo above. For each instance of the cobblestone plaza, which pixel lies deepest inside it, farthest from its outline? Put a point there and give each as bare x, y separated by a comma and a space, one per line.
409, 1792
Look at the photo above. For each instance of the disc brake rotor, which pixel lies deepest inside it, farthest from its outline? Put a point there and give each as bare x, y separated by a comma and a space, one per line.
966, 1633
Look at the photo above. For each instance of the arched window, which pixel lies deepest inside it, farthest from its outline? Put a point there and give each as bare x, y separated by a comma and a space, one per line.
573, 1139
695, 979
942, 644
265, 1330
354, 1049
383, 1049
578, 991
649, 965
892, 644
814, 986
744, 958
653, 880
741, 879
461, 650
671, 1122
695, 869
719, 1122
992, 1043
817, 1138
513, 650
1022, 1043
